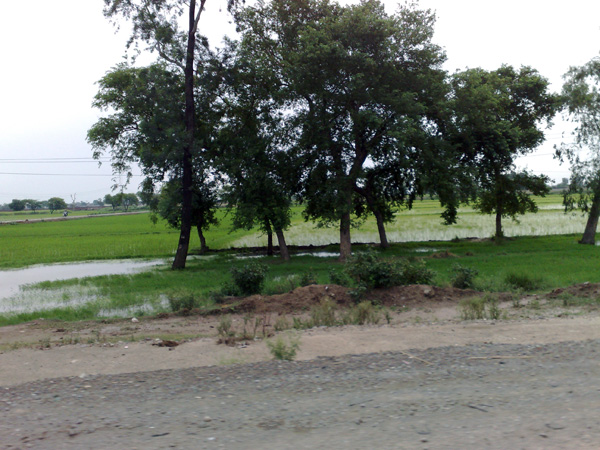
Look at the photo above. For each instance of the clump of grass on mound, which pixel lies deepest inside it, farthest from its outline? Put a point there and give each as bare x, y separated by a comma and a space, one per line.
523, 282
479, 308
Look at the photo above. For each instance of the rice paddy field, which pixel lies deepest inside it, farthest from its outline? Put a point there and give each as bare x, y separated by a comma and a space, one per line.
545, 249
135, 236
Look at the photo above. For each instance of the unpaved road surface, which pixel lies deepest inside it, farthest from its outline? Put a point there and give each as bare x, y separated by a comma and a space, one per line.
501, 396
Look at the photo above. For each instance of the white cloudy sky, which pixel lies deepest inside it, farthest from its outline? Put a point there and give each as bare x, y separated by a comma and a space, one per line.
54, 52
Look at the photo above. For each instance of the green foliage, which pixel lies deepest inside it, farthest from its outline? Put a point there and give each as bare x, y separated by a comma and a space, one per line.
523, 281
415, 272
309, 277
182, 302
463, 277
339, 278
498, 115
478, 308
364, 313
323, 314
56, 203
250, 278
370, 271
17, 205
284, 349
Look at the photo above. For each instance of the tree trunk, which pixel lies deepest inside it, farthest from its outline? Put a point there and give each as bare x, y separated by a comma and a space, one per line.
589, 234
270, 243
345, 242
283, 249
499, 232
187, 168
383, 242
203, 247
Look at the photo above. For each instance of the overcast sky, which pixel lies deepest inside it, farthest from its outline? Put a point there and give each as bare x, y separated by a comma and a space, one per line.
54, 52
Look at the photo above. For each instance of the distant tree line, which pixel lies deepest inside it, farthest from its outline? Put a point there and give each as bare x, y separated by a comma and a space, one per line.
345, 110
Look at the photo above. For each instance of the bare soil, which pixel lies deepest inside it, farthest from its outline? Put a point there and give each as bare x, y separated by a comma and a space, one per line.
426, 379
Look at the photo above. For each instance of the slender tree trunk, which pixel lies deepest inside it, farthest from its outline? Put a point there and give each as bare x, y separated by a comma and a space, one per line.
283, 249
270, 243
187, 168
589, 234
345, 241
499, 233
203, 247
383, 242
269, 229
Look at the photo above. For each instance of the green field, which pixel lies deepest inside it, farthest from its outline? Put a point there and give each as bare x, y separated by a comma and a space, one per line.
551, 257
135, 236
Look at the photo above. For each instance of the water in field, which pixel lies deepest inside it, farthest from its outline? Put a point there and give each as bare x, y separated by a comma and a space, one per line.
12, 281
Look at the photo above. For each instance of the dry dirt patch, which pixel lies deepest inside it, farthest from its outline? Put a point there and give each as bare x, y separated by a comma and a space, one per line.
421, 317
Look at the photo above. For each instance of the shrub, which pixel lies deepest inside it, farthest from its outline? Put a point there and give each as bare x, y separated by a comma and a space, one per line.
280, 349
363, 313
523, 282
463, 277
308, 278
182, 302
250, 278
371, 271
477, 308
341, 279
415, 272
323, 314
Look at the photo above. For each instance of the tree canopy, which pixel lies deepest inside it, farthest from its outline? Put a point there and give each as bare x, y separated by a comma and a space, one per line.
497, 117
582, 101
358, 83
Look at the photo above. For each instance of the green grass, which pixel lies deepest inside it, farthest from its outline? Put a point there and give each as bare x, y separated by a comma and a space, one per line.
551, 261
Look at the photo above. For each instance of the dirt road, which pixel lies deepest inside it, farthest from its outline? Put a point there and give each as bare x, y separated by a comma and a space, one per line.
476, 396
412, 386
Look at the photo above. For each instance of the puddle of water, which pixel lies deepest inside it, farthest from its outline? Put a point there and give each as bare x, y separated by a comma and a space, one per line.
316, 254
12, 280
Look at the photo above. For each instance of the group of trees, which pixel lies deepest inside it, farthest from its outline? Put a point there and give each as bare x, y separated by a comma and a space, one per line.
122, 200
53, 204
344, 109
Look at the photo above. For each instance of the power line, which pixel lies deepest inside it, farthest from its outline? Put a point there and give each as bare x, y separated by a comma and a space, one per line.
64, 174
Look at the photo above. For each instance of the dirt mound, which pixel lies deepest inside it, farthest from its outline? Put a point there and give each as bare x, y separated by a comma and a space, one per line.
299, 300
586, 290
302, 299
419, 293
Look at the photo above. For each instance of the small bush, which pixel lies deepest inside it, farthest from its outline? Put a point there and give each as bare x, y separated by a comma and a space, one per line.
308, 278
281, 285
250, 278
323, 314
415, 272
182, 302
358, 293
364, 313
523, 282
463, 277
280, 349
341, 279
477, 308
282, 324
373, 272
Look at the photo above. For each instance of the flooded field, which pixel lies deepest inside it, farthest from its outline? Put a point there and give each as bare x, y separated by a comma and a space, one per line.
13, 281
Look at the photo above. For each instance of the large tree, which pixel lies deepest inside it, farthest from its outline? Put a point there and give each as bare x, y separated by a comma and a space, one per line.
357, 80
156, 23
56, 203
17, 205
252, 149
582, 100
498, 116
